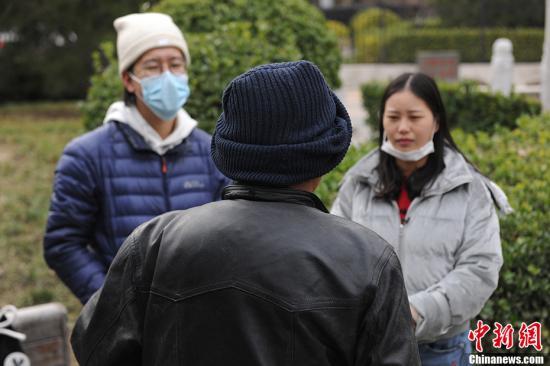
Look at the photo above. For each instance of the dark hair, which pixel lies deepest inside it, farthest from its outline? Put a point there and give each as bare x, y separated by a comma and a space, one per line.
390, 176
129, 98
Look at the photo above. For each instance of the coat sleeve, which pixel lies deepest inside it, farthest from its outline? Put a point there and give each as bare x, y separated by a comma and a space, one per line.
108, 330
343, 204
461, 294
71, 219
387, 333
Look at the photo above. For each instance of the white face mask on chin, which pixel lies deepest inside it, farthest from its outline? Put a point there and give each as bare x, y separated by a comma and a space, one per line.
413, 155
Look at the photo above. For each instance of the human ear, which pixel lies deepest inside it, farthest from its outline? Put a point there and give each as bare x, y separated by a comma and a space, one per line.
128, 82
436, 121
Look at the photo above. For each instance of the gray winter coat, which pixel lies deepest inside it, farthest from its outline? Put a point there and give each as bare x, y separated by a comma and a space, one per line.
449, 246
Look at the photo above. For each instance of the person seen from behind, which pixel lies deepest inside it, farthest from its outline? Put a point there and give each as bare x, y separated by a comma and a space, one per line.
147, 158
266, 276
419, 192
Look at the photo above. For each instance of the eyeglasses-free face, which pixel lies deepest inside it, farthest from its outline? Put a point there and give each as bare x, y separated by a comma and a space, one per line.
408, 121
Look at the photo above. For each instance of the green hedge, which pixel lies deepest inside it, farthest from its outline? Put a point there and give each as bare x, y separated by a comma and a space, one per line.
401, 44
343, 34
341, 30
328, 189
496, 13
225, 39
517, 160
373, 18
467, 106
371, 28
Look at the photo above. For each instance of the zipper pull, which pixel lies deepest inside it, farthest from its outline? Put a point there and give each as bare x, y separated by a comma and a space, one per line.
164, 168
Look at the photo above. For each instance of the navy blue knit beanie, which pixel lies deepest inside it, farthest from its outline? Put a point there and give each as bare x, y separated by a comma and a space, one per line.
281, 125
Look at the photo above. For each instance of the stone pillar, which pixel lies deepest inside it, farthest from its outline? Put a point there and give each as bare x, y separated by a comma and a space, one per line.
326, 4
47, 338
502, 66
545, 65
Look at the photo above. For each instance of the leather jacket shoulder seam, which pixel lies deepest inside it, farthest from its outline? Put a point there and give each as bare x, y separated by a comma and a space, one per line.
387, 254
135, 263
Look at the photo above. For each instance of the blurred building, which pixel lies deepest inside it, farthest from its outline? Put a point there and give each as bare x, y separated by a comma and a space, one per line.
343, 10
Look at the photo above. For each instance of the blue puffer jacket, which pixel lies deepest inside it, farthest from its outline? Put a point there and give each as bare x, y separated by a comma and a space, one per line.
107, 183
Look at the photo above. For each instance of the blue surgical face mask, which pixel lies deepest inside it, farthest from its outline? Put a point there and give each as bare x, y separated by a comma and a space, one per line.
164, 94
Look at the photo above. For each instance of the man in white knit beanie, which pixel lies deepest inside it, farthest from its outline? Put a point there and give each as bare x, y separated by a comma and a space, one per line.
147, 158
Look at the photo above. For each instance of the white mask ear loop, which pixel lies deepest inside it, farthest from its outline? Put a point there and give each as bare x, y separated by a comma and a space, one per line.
137, 80
134, 77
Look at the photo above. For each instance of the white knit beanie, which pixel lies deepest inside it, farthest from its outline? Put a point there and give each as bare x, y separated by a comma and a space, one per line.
138, 33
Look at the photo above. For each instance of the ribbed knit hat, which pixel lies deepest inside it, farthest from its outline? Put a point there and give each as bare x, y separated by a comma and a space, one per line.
281, 125
138, 33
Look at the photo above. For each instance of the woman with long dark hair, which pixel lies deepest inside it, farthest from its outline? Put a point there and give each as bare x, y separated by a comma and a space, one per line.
421, 194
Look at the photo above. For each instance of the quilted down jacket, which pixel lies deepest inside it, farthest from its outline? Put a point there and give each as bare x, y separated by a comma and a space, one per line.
107, 183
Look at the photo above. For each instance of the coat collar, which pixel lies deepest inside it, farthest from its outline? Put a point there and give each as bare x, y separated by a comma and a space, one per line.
456, 173
272, 194
138, 143
130, 116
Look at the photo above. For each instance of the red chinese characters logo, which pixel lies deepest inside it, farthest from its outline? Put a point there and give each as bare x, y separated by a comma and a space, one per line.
478, 334
504, 336
529, 335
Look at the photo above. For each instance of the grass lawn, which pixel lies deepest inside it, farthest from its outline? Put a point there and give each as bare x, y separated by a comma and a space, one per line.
32, 137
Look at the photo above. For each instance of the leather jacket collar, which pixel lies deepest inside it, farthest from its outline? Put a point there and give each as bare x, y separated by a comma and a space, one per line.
272, 194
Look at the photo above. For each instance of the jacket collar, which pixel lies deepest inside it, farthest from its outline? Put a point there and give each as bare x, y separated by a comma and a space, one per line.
272, 194
129, 115
456, 173
138, 143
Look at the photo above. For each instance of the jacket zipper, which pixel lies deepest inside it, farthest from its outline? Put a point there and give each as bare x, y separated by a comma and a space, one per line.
401, 229
164, 170
402, 224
